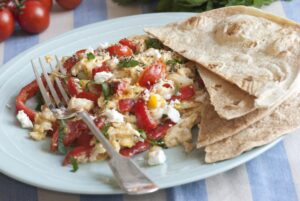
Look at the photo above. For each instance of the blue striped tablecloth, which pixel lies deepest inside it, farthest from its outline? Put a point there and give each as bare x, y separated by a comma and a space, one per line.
273, 176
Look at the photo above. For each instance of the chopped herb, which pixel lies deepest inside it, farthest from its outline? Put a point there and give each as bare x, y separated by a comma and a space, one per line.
157, 142
127, 63
39, 100
61, 133
106, 90
154, 43
142, 133
90, 56
74, 164
176, 91
105, 129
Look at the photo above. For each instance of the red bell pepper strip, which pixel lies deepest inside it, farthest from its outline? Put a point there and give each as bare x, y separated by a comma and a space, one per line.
129, 44
152, 74
26, 93
77, 152
126, 105
185, 93
88, 95
102, 68
120, 51
72, 87
69, 63
84, 140
160, 131
144, 120
137, 148
54, 138
75, 129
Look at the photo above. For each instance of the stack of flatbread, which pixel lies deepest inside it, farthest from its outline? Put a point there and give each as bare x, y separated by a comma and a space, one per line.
249, 61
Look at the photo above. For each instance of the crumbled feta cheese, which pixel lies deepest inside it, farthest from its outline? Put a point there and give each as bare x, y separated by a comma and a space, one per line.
104, 45
161, 89
24, 119
146, 94
102, 77
172, 113
157, 113
113, 116
153, 53
80, 104
156, 156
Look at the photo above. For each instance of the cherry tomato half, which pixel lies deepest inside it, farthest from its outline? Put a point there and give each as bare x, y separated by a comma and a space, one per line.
120, 51
152, 74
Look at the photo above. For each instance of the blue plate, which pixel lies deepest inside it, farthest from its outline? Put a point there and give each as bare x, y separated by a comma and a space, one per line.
31, 162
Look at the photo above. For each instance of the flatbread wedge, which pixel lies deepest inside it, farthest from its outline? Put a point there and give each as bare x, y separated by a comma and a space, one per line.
283, 119
228, 100
257, 51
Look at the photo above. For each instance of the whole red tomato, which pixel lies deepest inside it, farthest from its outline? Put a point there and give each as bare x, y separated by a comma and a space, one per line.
68, 4
33, 17
6, 23
47, 3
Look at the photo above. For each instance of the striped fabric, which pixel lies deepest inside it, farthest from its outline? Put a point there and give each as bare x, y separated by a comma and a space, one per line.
273, 176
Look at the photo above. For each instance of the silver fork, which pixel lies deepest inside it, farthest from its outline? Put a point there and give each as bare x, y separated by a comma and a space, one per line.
129, 176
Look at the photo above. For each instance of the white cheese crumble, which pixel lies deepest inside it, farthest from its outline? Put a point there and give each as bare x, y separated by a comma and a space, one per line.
165, 92
114, 116
80, 104
172, 113
146, 94
102, 77
156, 156
24, 119
153, 53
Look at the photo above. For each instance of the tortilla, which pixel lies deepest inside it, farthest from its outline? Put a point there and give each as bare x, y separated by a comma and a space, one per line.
228, 100
284, 119
255, 50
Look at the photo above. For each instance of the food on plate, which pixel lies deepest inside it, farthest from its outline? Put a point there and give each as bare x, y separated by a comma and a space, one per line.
254, 50
140, 94
248, 62
285, 118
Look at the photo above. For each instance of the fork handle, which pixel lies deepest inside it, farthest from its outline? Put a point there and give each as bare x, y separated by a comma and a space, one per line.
99, 135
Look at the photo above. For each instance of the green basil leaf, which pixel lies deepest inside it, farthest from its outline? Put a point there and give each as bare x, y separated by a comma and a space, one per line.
105, 129
74, 164
60, 141
90, 56
127, 63
153, 43
106, 90
157, 142
142, 133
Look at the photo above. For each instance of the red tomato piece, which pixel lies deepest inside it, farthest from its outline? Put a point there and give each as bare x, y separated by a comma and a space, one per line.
137, 148
120, 51
129, 44
72, 87
144, 120
100, 122
76, 152
84, 140
152, 74
26, 93
68, 4
118, 87
185, 93
69, 63
46, 3
80, 52
126, 105
75, 129
33, 17
87, 95
160, 131
103, 68
6, 23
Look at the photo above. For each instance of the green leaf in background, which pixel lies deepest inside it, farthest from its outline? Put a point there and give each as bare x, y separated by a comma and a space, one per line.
196, 5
